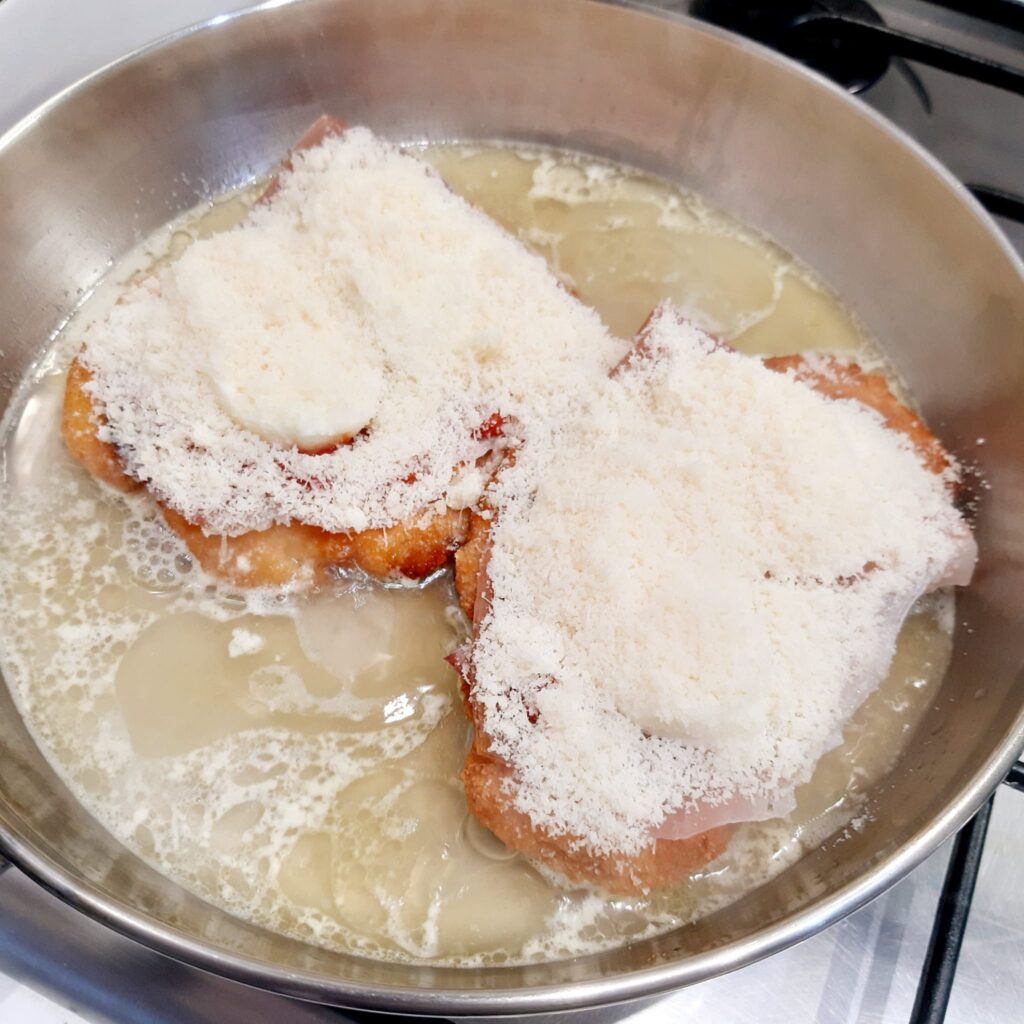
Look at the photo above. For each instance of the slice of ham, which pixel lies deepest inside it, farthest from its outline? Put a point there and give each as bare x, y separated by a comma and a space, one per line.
959, 570
692, 821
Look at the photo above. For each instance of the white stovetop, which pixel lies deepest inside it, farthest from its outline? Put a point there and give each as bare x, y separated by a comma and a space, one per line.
863, 970
20, 1005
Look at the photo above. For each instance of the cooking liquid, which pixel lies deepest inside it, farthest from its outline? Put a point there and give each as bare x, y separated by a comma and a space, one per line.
296, 761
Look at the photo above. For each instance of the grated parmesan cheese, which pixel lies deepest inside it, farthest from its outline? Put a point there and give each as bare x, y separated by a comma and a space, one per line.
680, 592
365, 294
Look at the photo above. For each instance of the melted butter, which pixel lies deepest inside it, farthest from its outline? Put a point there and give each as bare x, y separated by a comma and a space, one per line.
296, 762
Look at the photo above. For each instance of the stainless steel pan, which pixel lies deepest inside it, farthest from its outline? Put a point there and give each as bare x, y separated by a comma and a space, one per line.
117, 155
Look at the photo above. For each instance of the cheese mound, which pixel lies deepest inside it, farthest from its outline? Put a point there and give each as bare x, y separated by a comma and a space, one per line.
289, 359
364, 299
694, 584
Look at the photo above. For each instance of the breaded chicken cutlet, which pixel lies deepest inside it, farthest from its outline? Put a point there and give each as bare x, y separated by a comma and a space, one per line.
490, 782
283, 553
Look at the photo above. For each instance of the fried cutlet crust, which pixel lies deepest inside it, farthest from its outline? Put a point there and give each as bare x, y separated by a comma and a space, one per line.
490, 782
80, 425
840, 380
299, 553
469, 561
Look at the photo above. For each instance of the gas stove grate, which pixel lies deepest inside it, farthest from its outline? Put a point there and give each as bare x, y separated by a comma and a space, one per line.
954, 907
849, 42
999, 202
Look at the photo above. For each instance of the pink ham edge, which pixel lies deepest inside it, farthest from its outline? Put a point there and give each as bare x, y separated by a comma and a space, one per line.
687, 822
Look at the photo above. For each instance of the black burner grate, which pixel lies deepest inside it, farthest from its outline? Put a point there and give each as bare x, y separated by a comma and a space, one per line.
848, 41
954, 907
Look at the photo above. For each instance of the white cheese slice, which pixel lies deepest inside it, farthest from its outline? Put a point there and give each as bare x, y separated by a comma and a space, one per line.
300, 386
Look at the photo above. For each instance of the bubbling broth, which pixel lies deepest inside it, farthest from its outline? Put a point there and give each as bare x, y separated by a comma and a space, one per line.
296, 760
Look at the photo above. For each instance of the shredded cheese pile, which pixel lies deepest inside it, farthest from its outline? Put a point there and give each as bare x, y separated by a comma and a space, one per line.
364, 295
694, 584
